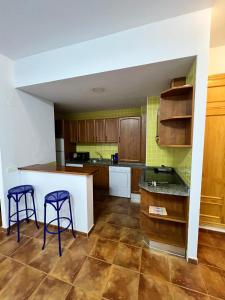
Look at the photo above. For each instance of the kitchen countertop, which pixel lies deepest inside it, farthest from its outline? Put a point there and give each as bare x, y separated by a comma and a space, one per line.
108, 162
53, 168
175, 187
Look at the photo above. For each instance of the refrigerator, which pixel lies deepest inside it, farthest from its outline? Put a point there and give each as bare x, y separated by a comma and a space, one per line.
60, 152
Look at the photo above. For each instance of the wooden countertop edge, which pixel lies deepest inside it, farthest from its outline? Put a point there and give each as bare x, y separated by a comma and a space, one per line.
59, 170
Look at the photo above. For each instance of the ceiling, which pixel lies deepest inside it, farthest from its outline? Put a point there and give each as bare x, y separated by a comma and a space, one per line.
29, 27
123, 88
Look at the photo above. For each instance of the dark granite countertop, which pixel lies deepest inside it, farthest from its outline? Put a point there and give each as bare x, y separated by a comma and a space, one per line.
175, 185
108, 162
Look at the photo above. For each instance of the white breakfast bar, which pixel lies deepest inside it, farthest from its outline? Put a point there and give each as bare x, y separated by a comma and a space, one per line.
78, 182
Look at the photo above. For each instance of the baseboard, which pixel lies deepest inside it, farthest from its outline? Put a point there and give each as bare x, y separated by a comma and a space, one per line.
135, 198
193, 261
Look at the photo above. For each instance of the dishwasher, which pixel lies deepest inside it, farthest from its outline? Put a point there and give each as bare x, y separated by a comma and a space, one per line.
120, 181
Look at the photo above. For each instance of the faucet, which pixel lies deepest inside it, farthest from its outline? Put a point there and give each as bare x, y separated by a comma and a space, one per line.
100, 155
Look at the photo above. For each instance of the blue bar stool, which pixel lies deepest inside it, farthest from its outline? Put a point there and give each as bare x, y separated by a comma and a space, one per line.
16, 193
57, 199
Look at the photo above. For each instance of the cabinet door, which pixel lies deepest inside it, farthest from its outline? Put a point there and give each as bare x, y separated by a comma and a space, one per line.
135, 177
100, 130
73, 132
130, 139
111, 130
82, 131
90, 131
101, 177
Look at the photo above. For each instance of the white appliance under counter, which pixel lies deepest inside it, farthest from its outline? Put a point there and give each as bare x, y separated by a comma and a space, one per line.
120, 181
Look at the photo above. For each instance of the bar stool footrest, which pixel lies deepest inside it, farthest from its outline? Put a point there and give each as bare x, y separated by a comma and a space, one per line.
60, 230
29, 209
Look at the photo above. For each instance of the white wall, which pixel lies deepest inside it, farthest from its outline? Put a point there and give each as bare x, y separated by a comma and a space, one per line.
26, 130
217, 60
182, 36
169, 39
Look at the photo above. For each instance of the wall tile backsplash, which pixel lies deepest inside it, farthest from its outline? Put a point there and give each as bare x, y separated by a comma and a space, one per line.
106, 150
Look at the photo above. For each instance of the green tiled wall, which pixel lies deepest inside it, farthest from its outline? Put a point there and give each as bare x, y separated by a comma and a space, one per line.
106, 150
115, 113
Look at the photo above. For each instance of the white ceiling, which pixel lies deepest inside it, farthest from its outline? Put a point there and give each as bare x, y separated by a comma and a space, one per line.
28, 27
123, 88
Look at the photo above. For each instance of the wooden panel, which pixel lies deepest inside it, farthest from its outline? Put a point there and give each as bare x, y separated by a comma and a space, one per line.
135, 176
178, 82
90, 131
100, 130
59, 128
129, 139
73, 131
213, 177
82, 131
111, 130
68, 147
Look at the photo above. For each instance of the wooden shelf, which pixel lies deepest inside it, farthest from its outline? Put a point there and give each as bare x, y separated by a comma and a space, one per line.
176, 91
175, 118
175, 146
169, 217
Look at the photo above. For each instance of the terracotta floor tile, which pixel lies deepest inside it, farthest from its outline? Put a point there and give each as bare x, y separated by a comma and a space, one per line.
123, 220
131, 236
214, 280
66, 240
211, 256
22, 285
77, 293
3, 236
10, 245
68, 266
134, 210
83, 245
98, 226
122, 284
186, 275
30, 229
93, 276
104, 250
128, 256
151, 288
46, 259
8, 269
155, 264
110, 231
51, 289
29, 251
180, 293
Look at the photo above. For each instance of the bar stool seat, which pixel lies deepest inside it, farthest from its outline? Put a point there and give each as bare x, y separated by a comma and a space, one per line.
16, 193
56, 199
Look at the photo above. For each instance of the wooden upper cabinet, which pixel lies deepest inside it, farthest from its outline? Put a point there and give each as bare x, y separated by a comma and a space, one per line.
82, 131
130, 139
73, 131
111, 130
90, 131
100, 130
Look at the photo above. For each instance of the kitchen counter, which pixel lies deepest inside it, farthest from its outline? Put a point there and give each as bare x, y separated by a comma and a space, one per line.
51, 168
46, 178
175, 185
108, 162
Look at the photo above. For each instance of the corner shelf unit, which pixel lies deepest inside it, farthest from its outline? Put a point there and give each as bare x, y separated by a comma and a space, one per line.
175, 117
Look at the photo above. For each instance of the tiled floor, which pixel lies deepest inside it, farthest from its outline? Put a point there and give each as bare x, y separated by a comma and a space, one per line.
111, 264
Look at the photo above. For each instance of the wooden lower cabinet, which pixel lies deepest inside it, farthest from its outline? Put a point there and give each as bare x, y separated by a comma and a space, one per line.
101, 178
170, 229
213, 177
135, 177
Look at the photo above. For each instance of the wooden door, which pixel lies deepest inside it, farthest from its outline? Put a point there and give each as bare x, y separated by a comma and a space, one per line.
73, 131
130, 139
90, 131
213, 178
100, 130
82, 131
111, 130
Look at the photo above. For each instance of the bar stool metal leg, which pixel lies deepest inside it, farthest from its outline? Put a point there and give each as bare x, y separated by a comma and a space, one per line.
35, 215
59, 237
9, 216
43, 247
74, 235
27, 219
17, 219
